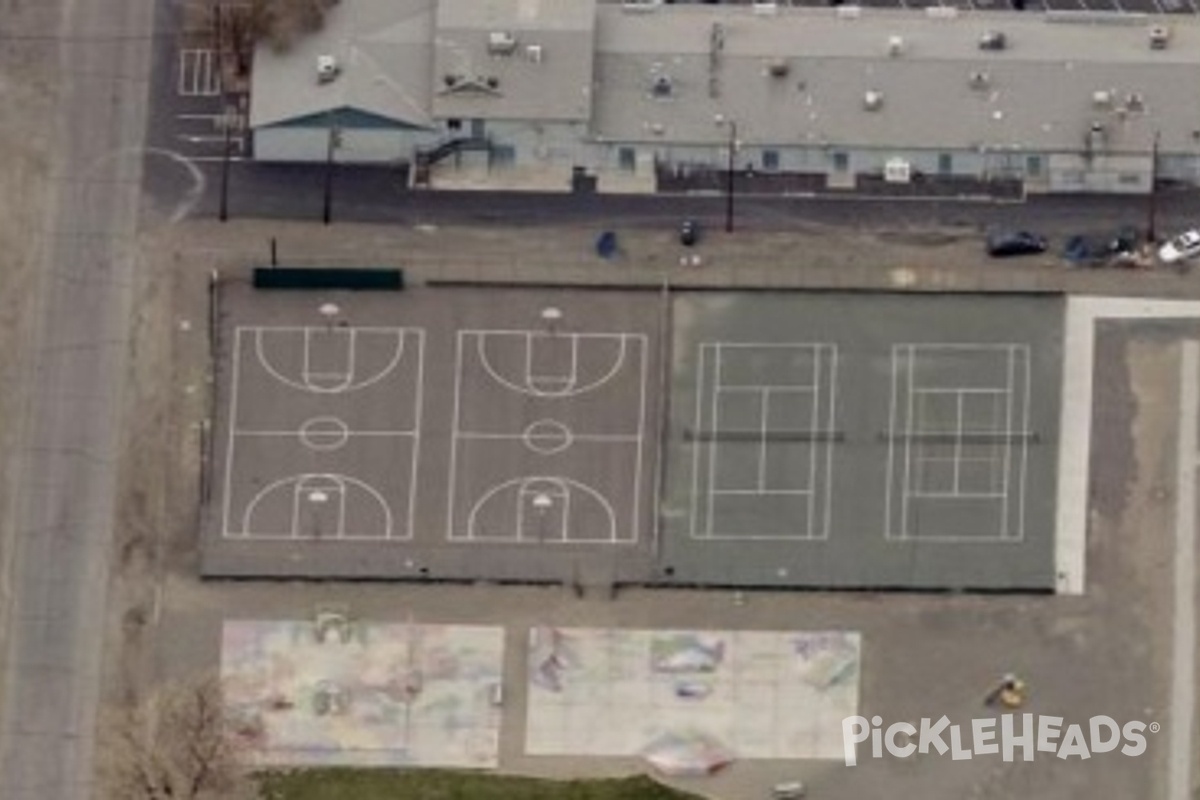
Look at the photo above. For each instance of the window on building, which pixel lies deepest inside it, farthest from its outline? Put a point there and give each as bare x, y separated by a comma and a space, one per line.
627, 158
841, 161
945, 164
1129, 178
454, 124
1033, 166
770, 160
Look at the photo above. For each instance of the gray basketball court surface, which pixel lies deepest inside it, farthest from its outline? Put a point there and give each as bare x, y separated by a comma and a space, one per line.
790, 439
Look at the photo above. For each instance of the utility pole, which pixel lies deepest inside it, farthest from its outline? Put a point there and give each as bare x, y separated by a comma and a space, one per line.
327, 215
1152, 199
729, 169
223, 211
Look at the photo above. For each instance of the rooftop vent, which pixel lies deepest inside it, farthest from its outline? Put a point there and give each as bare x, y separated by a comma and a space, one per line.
895, 45
501, 43
873, 100
1135, 102
1160, 36
849, 12
777, 68
534, 53
993, 40
979, 80
327, 68
640, 5
662, 86
1102, 99
766, 7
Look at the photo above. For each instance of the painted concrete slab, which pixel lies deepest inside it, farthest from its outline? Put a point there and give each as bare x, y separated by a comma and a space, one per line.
759, 694
391, 694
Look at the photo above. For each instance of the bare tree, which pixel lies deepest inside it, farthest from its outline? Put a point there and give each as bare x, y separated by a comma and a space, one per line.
279, 22
179, 744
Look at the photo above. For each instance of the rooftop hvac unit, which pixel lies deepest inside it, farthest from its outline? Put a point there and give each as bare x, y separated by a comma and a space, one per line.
993, 40
979, 80
661, 86
501, 43
777, 68
1160, 36
873, 100
1135, 102
849, 12
1102, 99
534, 53
895, 45
327, 68
897, 170
766, 7
640, 5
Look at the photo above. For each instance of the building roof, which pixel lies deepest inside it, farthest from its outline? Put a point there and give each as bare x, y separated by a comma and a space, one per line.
803, 76
383, 49
514, 59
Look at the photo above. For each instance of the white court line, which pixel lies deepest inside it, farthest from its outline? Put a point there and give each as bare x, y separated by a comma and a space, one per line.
1008, 430
891, 457
760, 493
618, 361
751, 388
398, 333
908, 435
712, 450
229, 447
348, 433
1183, 650
1025, 412
814, 424
958, 436
568, 381
702, 444
575, 437
635, 524
764, 407
454, 436
418, 420
833, 379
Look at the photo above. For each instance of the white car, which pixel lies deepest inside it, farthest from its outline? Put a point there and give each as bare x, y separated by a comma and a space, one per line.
1184, 246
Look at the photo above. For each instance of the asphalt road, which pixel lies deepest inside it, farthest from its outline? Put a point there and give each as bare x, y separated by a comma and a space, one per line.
57, 572
364, 194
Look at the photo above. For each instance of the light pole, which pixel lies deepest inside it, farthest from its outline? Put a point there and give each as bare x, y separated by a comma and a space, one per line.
729, 169
334, 141
1152, 200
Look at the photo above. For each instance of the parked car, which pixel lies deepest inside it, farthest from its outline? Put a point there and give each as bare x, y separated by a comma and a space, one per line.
1182, 247
1100, 249
689, 232
1015, 243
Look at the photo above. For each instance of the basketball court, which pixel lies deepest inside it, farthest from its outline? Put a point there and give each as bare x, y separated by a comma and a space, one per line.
455, 434
868, 440
865, 440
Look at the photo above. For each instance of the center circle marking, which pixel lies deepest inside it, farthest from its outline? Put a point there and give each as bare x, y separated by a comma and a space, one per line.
324, 433
547, 436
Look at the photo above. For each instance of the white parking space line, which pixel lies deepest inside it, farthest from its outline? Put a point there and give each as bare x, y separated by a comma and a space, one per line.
1183, 664
199, 75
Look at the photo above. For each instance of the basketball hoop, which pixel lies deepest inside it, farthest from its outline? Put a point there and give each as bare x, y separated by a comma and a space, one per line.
329, 310
542, 502
318, 496
552, 316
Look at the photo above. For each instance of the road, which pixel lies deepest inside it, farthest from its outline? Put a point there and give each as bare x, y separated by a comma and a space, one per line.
55, 567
